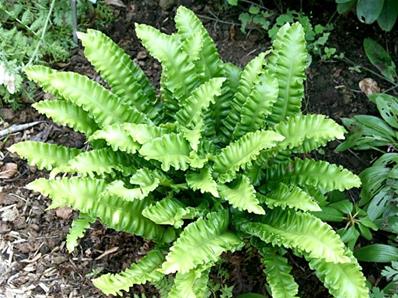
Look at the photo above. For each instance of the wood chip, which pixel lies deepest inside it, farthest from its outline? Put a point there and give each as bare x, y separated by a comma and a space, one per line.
8, 170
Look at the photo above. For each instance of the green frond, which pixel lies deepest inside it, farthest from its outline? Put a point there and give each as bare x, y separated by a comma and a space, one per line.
105, 107
192, 284
220, 109
117, 137
170, 149
201, 242
144, 133
304, 133
40, 75
170, 211
178, 73
117, 188
85, 195
242, 195
44, 155
342, 280
67, 113
146, 177
278, 273
145, 270
258, 105
98, 161
125, 78
249, 77
193, 135
302, 232
320, 174
289, 196
200, 45
190, 113
77, 230
287, 63
203, 181
243, 151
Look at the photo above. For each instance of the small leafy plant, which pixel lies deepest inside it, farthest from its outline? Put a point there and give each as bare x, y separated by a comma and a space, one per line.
316, 36
356, 221
213, 163
36, 31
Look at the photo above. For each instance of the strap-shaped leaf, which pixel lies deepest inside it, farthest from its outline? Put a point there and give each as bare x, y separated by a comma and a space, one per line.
145, 270
145, 177
278, 273
203, 181
192, 284
117, 188
242, 195
289, 196
220, 109
126, 78
170, 211
243, 151
98, 161
320, 174
105, 108
304, 133
67, 113
299, 231
178, 73
44, 155
170, 149
77, 230
342, 280
258, 105
248, 79
208, 63
190, 113
201, 242
144, 133
287, 63
84, 194
117, 137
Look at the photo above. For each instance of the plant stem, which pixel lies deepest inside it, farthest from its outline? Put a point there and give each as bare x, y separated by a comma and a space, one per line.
33, 57
74, 20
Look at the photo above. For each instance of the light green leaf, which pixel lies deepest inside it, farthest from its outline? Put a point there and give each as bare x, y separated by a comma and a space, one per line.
201, 242
241, 195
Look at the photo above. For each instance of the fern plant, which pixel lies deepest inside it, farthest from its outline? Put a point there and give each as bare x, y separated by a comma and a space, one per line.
214, 162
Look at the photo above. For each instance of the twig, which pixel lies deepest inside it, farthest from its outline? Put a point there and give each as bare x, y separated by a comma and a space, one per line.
107, 252
17, 128
33, 57
217, 20
370, 70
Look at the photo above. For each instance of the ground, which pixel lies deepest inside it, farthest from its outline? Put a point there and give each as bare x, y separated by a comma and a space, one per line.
33, 258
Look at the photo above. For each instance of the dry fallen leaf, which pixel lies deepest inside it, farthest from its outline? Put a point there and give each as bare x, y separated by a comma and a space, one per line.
117, 3
64, 212
8, 170
369, 86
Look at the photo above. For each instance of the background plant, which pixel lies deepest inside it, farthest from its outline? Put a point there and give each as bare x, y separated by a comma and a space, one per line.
38, 31
256, 15
385, 12
379, 181
215, 163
